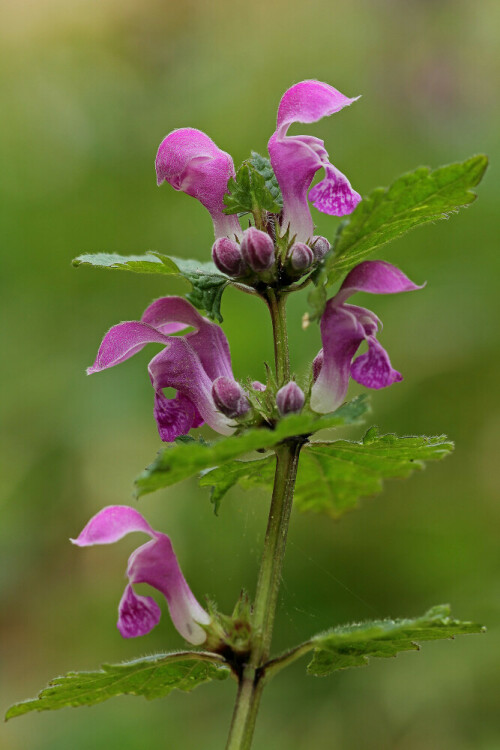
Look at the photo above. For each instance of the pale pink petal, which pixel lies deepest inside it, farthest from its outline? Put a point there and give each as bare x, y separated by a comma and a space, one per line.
310, 101
375, 277
123, 341
111, 524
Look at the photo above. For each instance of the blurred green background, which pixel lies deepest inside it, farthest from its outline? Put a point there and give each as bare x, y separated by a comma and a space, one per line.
89, 89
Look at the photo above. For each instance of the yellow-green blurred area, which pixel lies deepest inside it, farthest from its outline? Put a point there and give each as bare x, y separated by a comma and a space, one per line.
88, 89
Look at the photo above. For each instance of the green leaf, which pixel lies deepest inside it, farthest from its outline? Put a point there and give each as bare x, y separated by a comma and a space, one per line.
207, 282
180, 461
352, 645
248, 474
413, 199
249, 193
153, 677
263, 166
333, 476
148, 263
208, 286
317, 296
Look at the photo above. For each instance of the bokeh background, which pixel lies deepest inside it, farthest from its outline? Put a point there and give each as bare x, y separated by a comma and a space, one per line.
88, 90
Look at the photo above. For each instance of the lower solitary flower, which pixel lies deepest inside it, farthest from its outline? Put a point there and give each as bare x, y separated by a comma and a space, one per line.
190, 364
154, 563
344, 327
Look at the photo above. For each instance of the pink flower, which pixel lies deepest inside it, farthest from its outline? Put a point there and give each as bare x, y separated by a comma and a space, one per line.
154, 563
344, 327
189, 363
296, 159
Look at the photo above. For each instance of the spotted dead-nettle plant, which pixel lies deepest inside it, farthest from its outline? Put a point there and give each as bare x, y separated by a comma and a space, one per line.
265, 245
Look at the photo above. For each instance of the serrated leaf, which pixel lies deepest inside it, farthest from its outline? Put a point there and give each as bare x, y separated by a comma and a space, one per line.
414, 199
333, 476
248, 192
208, 286
263, 166
180, 461
352, 645
151, 677
207, 282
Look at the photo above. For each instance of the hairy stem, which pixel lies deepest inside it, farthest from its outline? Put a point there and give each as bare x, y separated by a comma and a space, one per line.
277, 308
287, 457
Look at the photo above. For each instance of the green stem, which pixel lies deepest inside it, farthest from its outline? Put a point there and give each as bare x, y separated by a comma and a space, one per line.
277, 308
251, 682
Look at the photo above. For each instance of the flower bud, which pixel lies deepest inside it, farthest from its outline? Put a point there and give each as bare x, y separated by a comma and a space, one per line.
226, 255
320, 247
258, 386
301, 256
290, 398
229, 397
257, 249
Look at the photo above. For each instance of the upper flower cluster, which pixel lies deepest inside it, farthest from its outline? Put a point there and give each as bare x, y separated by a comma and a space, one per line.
197, 363
191, 162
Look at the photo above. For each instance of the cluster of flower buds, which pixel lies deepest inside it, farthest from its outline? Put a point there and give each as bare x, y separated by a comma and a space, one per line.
256, 253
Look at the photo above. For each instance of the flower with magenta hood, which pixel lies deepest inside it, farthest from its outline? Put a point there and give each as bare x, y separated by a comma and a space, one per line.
154, 563
191, 364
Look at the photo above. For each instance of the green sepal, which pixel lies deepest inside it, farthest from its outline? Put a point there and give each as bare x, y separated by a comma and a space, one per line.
230, 636
180, 461
207, 282
333, 476
151, 676
415, 198
352, 645
249, 192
